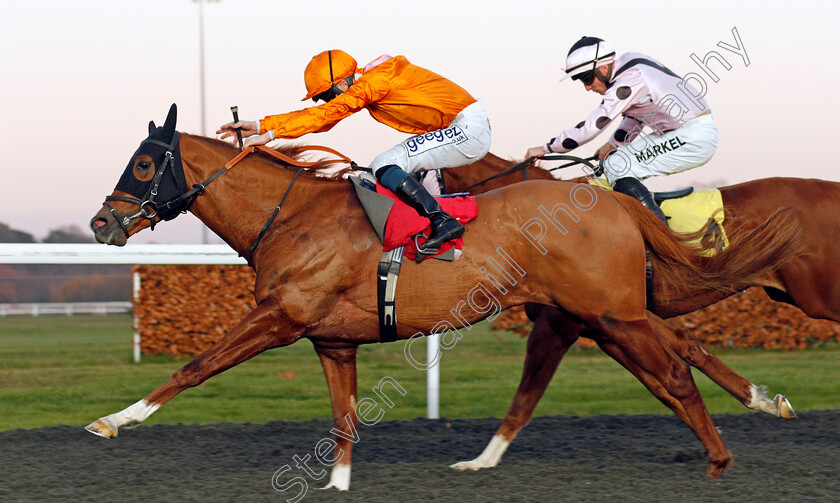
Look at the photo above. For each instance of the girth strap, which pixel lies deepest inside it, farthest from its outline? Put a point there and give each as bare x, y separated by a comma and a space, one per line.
648, 281
386, 293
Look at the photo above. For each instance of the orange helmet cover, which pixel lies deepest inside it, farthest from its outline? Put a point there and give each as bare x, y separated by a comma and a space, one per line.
325, 69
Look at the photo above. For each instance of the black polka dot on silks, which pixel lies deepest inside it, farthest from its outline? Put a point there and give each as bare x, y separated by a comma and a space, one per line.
602, 122
620, 135
623, 92
580, 124
570, 144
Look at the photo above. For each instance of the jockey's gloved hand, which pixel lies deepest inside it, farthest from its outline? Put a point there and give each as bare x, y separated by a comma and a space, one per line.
258, 140
248, 128
599, 168
535, 152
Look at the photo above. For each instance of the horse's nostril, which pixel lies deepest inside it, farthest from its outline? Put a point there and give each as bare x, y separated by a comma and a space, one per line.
100, 223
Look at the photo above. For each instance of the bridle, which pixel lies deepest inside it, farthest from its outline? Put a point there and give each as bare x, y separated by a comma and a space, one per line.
149, 208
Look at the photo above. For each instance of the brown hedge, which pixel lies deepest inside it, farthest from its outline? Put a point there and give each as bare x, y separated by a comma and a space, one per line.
182, 310
745, 320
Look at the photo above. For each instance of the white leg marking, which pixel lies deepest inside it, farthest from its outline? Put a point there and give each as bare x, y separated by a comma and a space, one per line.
339, 477
760, 401
128, 418
489, 458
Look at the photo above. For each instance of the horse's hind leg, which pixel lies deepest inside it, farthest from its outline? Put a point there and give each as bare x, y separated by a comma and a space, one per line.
340, 369
688, 347
258, 331
648, 380
551, 337
811, 282
638, 342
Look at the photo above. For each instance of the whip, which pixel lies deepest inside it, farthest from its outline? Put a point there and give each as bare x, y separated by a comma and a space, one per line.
235, 111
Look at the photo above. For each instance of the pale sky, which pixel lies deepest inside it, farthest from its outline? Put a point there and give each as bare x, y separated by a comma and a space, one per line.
81, 79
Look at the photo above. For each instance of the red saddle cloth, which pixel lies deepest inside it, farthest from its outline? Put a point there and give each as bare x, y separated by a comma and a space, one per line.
404, 223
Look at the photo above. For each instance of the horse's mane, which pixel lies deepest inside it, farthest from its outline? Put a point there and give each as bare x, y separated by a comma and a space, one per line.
294, 151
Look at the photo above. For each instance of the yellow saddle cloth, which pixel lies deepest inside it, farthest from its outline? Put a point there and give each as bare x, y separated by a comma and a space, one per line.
690, 213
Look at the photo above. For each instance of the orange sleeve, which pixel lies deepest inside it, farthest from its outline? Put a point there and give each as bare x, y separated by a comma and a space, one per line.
323, 117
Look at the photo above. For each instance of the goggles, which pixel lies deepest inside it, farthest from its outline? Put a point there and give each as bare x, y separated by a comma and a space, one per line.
587, 77
333, 91
325, 96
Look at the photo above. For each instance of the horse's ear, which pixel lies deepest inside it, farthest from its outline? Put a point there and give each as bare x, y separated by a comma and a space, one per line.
169, 125
152, 127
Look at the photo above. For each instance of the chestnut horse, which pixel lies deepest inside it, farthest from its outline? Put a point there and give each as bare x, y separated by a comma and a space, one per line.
810, 280
316, 262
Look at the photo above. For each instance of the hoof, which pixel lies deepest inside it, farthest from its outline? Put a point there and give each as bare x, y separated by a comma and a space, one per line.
716, 468
336, 486
783, 408
468, 465
102, 429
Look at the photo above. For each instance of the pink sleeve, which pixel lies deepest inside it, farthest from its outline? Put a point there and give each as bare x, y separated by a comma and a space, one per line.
627, 131
616, 100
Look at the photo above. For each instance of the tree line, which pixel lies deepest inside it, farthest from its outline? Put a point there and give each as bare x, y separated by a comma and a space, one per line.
60, 283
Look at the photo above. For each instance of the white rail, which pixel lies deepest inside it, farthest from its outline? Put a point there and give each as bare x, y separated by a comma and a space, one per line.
27, 253
65, 308
94, 254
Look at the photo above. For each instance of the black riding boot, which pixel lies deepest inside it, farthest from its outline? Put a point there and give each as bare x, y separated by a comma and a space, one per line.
444, 227
633, 187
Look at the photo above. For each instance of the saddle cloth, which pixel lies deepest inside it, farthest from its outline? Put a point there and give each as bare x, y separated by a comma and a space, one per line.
396, 223
690, 213
404, 223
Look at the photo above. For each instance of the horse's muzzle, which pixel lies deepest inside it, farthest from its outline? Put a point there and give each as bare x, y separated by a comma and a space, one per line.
106, 229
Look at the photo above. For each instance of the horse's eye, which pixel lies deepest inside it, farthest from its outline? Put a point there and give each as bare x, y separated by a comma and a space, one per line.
144, 168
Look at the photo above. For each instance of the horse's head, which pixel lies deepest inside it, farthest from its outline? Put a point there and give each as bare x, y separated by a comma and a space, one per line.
150, 189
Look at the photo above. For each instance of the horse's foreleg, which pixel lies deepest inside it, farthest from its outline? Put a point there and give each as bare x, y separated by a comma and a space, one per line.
638, 341
340, 369
688, 347
551, 337
260, 330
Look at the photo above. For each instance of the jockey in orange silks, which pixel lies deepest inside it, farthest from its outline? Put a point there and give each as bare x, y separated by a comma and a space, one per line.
450, 127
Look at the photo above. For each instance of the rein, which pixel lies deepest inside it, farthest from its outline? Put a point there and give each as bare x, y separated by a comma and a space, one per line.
527, 162
264, 230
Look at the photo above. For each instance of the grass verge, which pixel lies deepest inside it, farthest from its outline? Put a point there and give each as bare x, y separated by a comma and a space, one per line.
72, 370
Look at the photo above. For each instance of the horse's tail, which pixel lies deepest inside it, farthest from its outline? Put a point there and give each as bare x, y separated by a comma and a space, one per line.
682, 271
